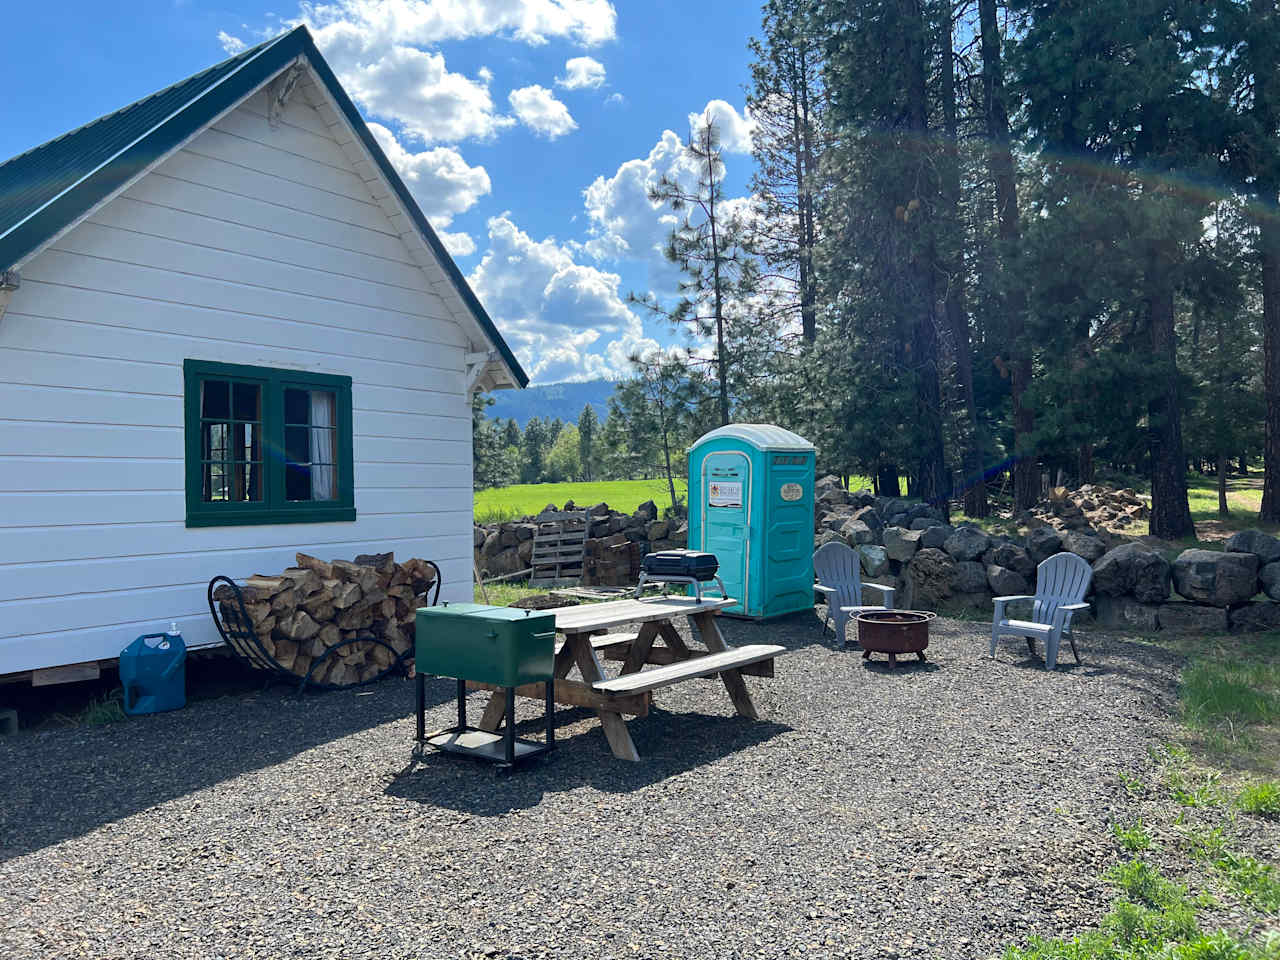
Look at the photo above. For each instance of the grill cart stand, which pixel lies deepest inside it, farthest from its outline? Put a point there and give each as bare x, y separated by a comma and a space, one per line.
506, 647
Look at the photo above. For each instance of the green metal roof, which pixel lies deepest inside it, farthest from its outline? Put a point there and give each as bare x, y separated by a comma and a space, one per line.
50, 187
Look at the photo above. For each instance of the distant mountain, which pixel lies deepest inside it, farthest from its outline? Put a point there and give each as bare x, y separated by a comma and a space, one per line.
563, 400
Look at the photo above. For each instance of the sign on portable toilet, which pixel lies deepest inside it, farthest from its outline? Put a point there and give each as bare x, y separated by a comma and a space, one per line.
751, 504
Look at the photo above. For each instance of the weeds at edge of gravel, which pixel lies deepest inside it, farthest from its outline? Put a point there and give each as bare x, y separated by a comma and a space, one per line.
1133, 837
1261, 798
98, 712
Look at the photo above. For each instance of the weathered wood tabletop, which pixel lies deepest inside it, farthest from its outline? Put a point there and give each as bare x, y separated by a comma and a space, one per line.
631, 691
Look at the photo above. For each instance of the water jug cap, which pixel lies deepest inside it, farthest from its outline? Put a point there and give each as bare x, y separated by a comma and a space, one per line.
173, 628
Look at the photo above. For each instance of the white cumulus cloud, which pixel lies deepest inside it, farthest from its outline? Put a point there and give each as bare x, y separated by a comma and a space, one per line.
458, 244
410, 86
540, 111
582, 73
565, 320
232, 45
426, 22
735, 128
439, 179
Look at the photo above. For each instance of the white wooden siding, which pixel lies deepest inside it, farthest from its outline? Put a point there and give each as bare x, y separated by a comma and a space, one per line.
251, 245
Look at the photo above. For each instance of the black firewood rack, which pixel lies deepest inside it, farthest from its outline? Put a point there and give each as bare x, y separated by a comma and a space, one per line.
236, 628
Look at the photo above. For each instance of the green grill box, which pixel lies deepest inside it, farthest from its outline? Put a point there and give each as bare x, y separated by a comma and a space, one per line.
503, 646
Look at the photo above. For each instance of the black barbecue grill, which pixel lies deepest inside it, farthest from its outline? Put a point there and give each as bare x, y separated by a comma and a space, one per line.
688, 567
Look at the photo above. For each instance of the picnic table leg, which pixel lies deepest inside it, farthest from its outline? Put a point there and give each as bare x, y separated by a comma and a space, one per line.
496, 708
615, 728
709, 630
638, 653
675, 642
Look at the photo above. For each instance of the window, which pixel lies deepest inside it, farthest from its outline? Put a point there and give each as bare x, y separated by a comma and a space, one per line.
266, 445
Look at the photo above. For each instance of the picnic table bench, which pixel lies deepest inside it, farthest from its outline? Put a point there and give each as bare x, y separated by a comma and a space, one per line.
630, 693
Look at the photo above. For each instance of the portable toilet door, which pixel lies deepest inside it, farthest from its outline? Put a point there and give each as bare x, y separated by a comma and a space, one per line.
751, 504
726, 520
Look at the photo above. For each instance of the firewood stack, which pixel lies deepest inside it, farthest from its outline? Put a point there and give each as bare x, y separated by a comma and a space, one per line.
301, 612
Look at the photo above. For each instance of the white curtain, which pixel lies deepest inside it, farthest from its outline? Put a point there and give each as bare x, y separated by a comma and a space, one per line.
323, 466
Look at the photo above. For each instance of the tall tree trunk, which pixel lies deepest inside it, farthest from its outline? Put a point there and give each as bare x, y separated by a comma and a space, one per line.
722, 362
1170, 511
975, 486
1026, 471
930, 473
886, 481
1270, 243
1223, 509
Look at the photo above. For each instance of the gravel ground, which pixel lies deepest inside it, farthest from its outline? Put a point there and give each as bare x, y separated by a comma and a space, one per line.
941, 810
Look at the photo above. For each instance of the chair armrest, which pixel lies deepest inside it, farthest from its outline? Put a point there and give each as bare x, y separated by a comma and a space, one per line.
825, 591
886, 593
1075, 606
1000, 603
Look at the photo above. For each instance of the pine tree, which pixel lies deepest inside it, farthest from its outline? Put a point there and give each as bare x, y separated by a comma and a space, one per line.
785, 101
708, 246
587, 424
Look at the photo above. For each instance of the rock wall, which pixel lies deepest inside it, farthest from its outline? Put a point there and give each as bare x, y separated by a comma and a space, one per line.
616, 543
936, 566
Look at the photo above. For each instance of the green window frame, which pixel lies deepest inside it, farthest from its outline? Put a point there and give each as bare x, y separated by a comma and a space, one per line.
255, 451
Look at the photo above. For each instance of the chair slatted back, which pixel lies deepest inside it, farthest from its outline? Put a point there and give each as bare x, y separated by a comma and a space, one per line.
837, 565
1062, 578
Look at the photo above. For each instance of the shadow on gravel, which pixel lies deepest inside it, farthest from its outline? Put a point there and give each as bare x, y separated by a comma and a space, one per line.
669, 744
63, 782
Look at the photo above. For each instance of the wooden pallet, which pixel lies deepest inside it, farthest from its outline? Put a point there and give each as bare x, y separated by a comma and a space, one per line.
558, 548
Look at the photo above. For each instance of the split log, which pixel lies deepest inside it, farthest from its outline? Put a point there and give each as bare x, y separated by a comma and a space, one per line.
323, 570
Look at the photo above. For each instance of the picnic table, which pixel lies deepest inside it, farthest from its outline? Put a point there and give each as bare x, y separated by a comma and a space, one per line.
657, 642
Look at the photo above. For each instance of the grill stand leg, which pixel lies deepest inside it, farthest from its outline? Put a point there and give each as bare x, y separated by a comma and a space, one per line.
510, 737
421, 683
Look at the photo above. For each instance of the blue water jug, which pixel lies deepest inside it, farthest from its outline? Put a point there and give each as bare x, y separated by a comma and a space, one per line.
153, 671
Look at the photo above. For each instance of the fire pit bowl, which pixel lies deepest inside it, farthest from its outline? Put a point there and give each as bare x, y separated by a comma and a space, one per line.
894, 632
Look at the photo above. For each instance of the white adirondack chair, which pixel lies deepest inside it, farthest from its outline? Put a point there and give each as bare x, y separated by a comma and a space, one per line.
1061, 582
838, 570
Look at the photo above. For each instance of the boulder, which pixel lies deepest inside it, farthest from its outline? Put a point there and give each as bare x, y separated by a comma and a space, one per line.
1125, 613
492, 544
1083, 545
657, 530
1013, 557
524, 550
602, 509
856, 532
1221, 579
874, 559
928, 578
1132, 568
1269, 579
1179, 617
647, 511
862, 498
680, 535
935, 536
967, 543
503, 562
901, 544
827, 536
1005, 582
1042, 543
1265, 547
1255, 616
526, 531
871, 518
969, 577
477, 536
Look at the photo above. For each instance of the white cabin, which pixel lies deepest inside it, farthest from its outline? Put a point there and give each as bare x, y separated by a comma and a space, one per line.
227, 334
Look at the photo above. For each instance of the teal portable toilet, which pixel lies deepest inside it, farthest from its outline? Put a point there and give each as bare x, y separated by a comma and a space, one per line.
751, 504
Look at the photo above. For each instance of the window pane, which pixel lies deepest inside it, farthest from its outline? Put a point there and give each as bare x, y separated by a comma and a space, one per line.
297, 406
246, 400
215, 483
214, 441
248, 441
297, 481
297, 444
215, 403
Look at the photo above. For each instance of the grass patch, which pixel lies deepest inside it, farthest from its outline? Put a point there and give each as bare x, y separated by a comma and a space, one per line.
1230, 693
101, 711
1133, 837
499, 504
1260, 798
1252, 881
506, 592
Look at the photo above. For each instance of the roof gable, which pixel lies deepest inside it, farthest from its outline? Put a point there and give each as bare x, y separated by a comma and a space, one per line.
50, 188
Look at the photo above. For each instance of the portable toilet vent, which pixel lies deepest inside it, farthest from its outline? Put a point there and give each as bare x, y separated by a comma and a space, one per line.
751, 504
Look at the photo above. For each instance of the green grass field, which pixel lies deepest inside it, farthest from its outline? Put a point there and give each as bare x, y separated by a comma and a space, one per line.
507, 503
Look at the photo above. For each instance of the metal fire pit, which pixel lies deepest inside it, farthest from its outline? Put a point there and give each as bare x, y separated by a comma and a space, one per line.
894, 632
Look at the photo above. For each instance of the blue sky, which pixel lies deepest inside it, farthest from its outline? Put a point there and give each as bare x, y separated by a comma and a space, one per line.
527, 129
